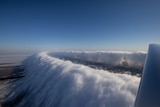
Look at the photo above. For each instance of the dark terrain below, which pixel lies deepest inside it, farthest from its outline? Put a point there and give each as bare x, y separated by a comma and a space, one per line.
8, 73
124, 68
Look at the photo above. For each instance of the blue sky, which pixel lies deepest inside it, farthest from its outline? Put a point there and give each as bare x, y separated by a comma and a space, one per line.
79, 24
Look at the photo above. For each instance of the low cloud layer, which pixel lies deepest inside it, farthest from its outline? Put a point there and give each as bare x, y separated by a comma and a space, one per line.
135, 59
51, 82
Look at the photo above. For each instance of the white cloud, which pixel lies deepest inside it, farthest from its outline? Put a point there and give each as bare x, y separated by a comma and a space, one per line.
51, 82
109, 57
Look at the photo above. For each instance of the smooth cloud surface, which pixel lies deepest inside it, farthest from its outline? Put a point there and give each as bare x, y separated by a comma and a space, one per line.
51, 82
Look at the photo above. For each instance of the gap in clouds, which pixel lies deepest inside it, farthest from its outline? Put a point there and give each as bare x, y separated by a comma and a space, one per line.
117, 62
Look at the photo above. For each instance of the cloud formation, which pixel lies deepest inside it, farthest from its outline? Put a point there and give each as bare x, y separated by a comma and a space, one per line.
51, 82
135, 59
